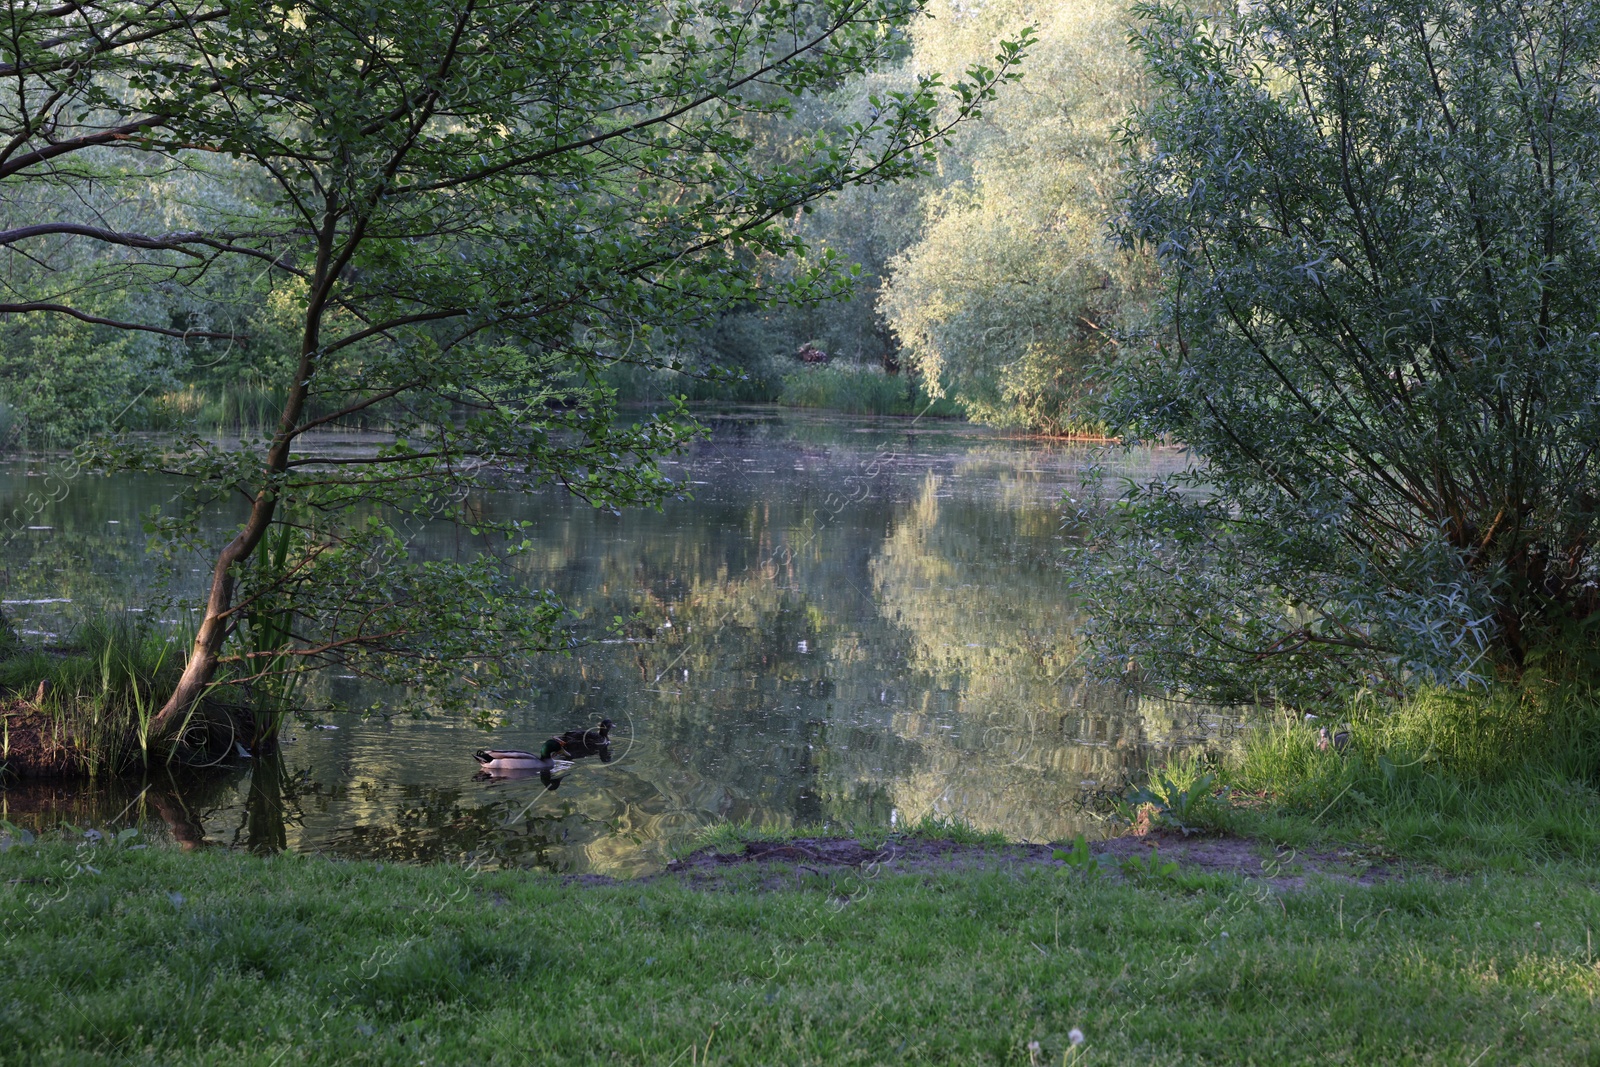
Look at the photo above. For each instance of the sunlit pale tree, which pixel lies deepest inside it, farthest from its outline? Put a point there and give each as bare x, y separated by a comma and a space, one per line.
1012, 293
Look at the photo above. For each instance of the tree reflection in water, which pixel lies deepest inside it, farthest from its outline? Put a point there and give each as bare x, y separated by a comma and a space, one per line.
265, 827
854, 622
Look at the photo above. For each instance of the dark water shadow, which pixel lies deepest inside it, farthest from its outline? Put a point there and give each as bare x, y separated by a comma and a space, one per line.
176, 800
266, 807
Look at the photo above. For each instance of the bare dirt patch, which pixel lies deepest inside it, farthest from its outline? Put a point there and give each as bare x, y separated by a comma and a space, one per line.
781, 861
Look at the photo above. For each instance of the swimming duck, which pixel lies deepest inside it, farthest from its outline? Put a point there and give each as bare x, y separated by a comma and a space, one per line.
501, 761
575, 744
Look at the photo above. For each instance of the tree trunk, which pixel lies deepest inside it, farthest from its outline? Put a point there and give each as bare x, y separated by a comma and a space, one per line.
213, 631
185, 828
215, 626
265, 832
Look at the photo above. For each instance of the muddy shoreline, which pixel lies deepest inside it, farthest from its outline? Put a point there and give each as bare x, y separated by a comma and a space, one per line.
782, 863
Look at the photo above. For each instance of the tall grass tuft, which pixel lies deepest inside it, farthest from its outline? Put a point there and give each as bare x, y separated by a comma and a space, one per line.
237, 407
98, 699
1466, 779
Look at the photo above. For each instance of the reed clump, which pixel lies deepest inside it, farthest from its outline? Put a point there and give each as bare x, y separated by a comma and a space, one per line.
861, 390
85, 708
234, 407
231, 408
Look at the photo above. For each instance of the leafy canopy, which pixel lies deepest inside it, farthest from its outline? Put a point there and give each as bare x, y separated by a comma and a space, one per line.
1010, 294
1380, 236
472, 209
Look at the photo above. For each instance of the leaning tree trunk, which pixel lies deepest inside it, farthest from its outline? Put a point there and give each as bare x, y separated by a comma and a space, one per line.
214, 626
218, 620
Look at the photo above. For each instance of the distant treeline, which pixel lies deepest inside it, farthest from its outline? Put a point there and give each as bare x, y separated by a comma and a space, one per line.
993, 284
989, 289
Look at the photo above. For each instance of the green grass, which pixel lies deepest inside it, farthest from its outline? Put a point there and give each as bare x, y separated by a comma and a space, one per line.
848, 388
730, 838
153, 956
116, 953
940, 828
1509, 778
641, 385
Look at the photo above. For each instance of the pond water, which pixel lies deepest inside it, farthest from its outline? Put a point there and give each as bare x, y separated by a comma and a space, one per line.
854, 622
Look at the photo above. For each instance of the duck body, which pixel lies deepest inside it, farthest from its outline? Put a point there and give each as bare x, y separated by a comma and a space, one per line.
510, 761
1338, 742
575, 744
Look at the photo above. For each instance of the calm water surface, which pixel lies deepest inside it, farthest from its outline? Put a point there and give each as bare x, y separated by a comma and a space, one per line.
853, 622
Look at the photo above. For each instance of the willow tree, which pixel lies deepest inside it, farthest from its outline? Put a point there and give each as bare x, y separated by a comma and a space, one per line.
1380, 235
473, 207
1012, 295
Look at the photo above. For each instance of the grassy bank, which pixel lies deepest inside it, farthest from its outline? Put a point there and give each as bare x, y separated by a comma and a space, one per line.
848, 388
1481, 950
1506, 778
117, 954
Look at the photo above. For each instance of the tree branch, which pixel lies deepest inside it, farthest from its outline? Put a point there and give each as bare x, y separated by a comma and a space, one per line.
62, 309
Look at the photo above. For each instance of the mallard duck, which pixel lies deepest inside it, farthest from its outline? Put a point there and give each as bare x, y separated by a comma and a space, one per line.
580, 743
501, 761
